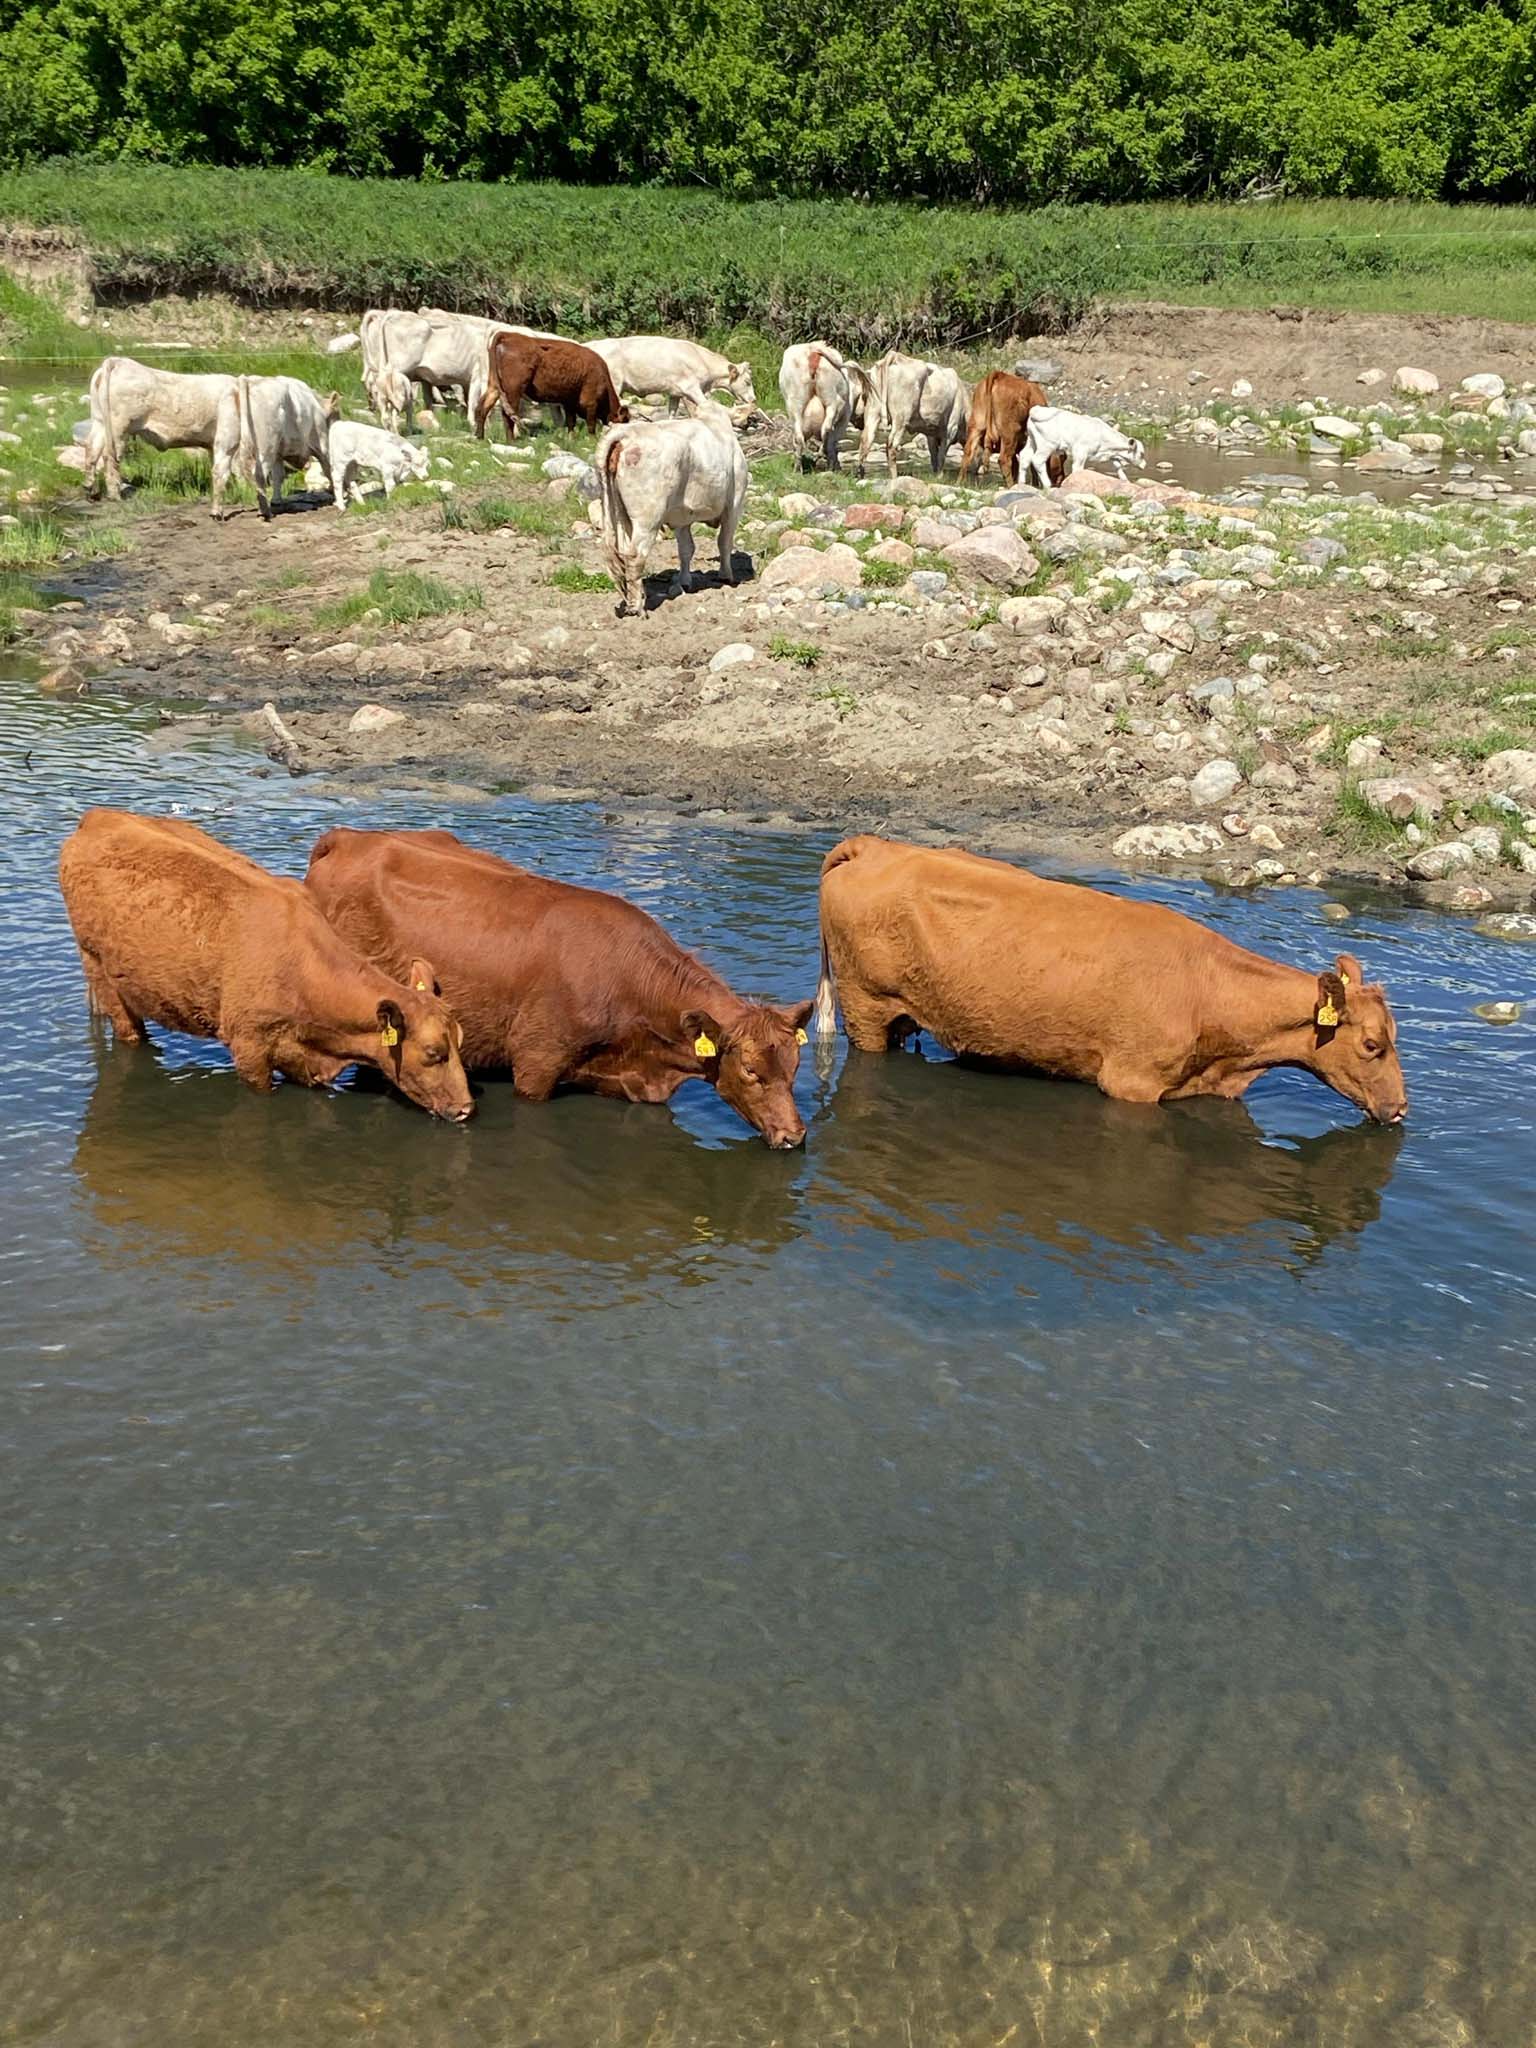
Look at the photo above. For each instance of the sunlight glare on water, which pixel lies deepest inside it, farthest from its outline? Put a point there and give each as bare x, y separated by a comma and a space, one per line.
1025, 1570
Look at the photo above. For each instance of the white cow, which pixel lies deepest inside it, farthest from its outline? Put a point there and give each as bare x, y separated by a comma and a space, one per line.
909, 392
283, 425
818, 387
168, 409
1082, 441
674, 473
441, 350
647, 364
354, 446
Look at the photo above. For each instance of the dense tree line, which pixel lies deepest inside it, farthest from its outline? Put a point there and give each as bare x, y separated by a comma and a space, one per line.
994, 100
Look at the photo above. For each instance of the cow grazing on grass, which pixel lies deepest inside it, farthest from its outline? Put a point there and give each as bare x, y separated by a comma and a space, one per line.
1017, 972
568, 987
561, 373
354, 446
668, 473
1000, 408
910, 395
818, 387
1059, 441
176, 929
682, 371
283, 425
168, 409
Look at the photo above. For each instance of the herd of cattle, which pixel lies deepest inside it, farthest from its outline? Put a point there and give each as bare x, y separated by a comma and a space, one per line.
684, 470
428, 960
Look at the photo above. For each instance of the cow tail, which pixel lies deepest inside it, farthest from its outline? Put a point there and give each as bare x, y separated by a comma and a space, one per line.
825, 1018
108, 437
247, 431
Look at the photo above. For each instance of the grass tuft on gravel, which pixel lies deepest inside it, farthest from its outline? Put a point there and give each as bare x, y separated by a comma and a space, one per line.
400, 597
571, 576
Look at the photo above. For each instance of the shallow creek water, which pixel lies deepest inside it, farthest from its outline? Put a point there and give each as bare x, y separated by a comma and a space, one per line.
1023, 1570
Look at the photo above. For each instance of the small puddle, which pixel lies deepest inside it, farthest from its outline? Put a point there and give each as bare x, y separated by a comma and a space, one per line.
1212, 471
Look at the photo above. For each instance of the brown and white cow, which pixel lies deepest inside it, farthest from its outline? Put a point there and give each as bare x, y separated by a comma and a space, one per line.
175, 928
1000, 408
562, 373
566, 986
818, 387
1018, 972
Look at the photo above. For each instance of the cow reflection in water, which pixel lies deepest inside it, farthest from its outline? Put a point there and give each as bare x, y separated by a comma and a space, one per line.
306, 1184
923, 1149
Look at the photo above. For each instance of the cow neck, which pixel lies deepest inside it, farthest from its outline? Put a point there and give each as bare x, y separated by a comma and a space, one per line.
360, 988
1272, 1016
696, 987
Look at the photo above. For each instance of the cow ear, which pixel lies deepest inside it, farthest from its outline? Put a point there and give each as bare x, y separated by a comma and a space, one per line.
424, 978
703, 1034
796, 1016
1332, 1001
1351, 973
391, 1025
333, 405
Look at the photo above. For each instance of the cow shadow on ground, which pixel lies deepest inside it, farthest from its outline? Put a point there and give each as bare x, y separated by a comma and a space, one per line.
665, 584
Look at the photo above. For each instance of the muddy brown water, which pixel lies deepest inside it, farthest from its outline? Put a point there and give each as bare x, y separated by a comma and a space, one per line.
1023, 1569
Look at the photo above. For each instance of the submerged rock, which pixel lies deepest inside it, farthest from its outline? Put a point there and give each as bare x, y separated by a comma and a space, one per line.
1160, 842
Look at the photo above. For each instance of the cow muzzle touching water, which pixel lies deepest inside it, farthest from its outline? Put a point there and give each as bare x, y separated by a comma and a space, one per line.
751, 1064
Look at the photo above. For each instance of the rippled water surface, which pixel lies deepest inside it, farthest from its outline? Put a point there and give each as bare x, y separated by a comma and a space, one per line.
1024, 1571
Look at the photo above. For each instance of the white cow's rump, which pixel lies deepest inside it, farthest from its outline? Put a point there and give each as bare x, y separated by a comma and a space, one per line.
132, 402
445, 353
355, 446
818, 387
673, 473
910, 394
283, 425
1081, 441
651, 365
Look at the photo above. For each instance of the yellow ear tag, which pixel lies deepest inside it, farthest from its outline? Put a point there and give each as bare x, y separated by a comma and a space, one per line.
390, 1035
800, 1037
1327, 1015
705, 1046
1345, 979
421, 985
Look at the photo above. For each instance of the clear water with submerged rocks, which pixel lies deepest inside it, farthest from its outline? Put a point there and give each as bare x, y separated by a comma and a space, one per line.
1023, 1570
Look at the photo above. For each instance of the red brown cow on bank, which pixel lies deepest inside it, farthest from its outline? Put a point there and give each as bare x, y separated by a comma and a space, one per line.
563, 373
1005, 968
566, 986
176, 929
1000, 409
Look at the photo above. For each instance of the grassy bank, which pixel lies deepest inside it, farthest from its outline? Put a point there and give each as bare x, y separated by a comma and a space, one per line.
867, 276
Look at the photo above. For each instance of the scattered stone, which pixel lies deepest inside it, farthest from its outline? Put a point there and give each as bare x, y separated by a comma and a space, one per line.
1235, 825
1486, 841
896, 552
864, 518
66, 680
340, 343
1032, 614
1241, 388
1470, 896
1372, 377
1400, 799
927, 583
994, 553
374, 718
1417, 383
1499, 1013
1320, 551
1436, 862
1266, 836
1424, 444
1509, 924
1215, 782
1335, 429
812, 569
1171, 842
1363, 753
1274, 775
1484, 385
934, 533
736, 655
1512, 772
1172, 628
797, 505
911, 490
1040, 369
1337, 913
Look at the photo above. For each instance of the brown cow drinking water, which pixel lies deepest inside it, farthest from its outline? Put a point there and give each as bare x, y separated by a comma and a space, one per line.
566, 986
1004, 967
176, 929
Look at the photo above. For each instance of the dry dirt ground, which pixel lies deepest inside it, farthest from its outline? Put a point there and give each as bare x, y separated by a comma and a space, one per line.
1305, 650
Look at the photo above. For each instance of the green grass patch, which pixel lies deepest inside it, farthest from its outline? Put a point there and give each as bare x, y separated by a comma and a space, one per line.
878, 575
400, 597
839, 696
533, 518
803, 652
571, 576
1356, 823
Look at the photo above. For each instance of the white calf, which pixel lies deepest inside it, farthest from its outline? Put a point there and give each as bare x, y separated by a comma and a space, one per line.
168, 409
354, 446
1082, 442
672, 473
283, 425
